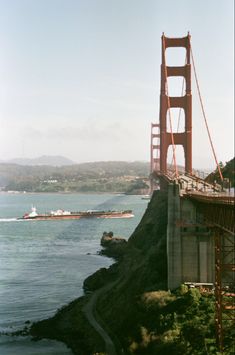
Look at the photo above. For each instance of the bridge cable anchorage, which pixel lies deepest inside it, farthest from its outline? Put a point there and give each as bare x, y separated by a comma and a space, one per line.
204, 115
169, 110
180, 110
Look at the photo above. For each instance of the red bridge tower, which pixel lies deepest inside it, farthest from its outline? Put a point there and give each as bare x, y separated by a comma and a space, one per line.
166, 102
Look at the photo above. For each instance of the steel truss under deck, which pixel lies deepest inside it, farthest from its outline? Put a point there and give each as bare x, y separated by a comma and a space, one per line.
224, 285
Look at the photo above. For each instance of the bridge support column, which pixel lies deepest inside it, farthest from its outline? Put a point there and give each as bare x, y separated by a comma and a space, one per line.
174, 257
190, 246
181, 102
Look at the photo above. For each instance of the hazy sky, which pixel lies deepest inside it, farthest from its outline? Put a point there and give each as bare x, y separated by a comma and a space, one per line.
81, 78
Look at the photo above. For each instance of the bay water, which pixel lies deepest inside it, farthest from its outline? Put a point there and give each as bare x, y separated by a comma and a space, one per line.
43, 263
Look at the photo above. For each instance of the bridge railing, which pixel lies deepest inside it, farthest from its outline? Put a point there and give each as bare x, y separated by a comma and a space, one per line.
212, 198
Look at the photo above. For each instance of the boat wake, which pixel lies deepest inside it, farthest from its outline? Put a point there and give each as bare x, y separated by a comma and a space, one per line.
9, 220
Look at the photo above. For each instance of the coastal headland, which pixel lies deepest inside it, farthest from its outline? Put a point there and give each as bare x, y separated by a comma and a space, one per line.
127, 308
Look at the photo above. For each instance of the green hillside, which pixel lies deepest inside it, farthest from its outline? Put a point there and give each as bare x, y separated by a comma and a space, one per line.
228, 172
86, 177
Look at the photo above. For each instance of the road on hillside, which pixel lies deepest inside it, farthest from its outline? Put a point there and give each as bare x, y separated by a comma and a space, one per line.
88, 310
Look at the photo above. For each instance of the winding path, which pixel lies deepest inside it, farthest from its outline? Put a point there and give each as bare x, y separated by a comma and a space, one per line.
88, 310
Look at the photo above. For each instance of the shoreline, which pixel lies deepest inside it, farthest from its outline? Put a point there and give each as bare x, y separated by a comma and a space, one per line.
70, 325
83, 310
61, 193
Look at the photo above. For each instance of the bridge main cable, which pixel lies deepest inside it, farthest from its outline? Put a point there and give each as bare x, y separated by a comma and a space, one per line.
204, 115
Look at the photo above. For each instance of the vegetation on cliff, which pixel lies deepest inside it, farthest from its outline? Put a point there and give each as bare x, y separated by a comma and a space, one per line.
228, 171
70, 326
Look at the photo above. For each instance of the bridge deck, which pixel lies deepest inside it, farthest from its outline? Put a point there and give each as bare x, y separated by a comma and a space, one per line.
216, 198
215, 205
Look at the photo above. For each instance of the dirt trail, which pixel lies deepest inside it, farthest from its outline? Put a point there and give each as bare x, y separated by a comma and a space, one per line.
88, 309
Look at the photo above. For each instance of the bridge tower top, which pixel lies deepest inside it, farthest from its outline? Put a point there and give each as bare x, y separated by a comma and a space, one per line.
168, 137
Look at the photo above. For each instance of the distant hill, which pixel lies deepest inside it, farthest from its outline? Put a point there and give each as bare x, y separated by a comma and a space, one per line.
86, 177
43, 160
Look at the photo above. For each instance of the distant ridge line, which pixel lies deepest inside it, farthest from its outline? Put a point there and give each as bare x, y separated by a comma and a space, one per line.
57, 160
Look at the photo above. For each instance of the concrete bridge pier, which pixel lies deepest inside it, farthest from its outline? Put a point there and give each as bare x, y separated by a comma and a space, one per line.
190, 243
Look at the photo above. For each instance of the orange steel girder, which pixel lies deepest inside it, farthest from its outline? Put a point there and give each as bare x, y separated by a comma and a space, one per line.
219, 214
184, 102
224, 288
216, 211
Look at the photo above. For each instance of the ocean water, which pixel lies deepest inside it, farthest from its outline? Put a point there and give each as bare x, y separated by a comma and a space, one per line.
43, 263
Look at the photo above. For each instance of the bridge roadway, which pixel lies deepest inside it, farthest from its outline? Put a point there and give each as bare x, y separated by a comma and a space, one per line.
217, 206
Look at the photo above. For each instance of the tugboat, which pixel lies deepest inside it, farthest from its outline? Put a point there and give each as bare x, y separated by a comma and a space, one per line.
62, 214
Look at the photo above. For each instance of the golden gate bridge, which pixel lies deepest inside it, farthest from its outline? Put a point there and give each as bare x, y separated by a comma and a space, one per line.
193, 204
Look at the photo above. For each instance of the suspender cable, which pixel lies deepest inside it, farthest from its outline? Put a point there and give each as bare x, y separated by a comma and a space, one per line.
204, 115
169, 111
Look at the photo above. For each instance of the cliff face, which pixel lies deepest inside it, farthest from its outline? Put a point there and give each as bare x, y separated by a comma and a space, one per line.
142, 269
141, 313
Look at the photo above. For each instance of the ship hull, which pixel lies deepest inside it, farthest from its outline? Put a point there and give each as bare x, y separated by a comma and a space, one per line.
78, 216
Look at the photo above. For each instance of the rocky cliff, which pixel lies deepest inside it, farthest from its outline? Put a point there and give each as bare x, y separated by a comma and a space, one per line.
142, 267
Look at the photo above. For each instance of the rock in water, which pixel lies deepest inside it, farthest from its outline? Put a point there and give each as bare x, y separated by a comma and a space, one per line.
108, 239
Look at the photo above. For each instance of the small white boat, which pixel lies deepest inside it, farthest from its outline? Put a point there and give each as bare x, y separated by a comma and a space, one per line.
146, 197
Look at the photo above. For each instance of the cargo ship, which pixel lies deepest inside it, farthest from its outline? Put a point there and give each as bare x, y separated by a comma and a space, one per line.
62, 214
